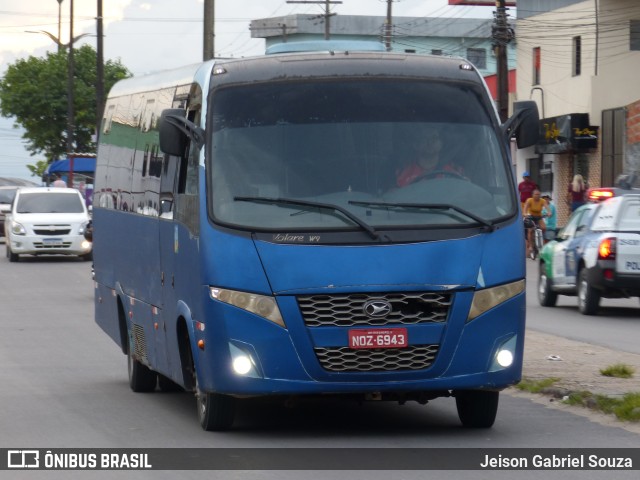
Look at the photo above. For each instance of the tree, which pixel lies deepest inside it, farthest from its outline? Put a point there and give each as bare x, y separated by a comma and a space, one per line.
34, 91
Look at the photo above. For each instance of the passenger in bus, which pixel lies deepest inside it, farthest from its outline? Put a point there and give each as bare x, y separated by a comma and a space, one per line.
428, 160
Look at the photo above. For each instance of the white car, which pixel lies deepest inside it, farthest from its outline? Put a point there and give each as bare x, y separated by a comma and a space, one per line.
47, 221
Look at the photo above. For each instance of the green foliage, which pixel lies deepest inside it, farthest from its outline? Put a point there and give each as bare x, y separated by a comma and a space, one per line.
626, 408
536, 386
34, 91
38, 169
619, 370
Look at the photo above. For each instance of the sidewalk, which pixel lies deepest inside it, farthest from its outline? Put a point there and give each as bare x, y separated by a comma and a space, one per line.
577, 365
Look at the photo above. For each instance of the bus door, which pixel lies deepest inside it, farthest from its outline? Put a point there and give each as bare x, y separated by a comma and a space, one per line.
167, 247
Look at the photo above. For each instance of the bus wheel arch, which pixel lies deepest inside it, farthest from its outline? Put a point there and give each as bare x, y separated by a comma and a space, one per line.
186, 359
123, 328
141, 377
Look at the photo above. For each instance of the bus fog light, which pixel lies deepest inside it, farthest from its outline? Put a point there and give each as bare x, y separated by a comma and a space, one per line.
504, 358
505, 355
242, 365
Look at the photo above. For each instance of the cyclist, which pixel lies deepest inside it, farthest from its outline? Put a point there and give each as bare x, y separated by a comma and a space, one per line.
533, 209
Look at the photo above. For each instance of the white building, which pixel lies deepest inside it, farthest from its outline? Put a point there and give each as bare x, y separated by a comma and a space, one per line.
580, 61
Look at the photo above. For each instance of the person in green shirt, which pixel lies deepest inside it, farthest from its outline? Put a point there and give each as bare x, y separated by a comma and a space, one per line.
550, 212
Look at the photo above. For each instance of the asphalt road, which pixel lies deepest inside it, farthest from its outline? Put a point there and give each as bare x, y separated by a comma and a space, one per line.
617, 325
64, 385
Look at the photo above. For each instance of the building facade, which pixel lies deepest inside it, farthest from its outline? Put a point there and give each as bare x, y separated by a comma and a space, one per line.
580, 61
461, 37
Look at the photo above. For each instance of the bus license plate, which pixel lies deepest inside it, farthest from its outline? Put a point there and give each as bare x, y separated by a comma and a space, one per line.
378, 338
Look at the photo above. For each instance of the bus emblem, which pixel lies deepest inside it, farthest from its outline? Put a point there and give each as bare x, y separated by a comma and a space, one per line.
377, 308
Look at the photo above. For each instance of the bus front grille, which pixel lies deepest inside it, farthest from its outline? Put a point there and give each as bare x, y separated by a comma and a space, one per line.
344, 359
407, 308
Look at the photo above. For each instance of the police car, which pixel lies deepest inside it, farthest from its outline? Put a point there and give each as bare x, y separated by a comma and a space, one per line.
596, 255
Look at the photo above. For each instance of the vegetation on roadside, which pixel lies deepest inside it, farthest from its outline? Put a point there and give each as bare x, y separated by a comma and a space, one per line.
536, 386
626, 408
619, 370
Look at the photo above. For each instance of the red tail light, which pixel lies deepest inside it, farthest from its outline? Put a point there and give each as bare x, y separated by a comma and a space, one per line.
607, 249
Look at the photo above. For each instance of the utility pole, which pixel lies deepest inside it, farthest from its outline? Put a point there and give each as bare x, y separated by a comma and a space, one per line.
99, 71
208, 51
327, 12
502, 35
388, 26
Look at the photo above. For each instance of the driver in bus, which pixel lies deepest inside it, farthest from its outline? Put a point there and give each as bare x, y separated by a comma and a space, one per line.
428, 160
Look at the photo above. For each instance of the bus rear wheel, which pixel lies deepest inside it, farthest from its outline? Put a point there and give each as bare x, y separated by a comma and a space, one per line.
215, 411
141, 378
477, 408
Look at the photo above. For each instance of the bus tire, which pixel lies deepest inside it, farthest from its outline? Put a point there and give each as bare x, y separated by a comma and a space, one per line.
546, 296
215, 411
141, 378
477, 408
588, 296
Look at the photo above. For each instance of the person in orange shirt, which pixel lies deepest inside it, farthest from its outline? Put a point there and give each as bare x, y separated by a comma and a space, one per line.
428, 160
533, 209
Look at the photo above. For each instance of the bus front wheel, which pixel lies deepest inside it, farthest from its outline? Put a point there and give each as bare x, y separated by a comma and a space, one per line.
477, 408
215, 411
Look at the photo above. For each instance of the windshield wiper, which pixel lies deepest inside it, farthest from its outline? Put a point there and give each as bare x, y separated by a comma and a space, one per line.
425, 206
306, 203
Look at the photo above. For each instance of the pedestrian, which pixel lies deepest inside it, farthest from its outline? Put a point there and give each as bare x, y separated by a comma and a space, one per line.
552, 220
526, 188
577, 192
58, 182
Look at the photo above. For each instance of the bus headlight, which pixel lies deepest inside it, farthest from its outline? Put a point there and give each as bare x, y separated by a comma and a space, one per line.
484, 300
265, 307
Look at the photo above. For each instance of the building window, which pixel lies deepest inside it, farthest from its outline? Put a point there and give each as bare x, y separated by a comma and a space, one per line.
536, 66
477, 56
436, 51
577, 56
634, 35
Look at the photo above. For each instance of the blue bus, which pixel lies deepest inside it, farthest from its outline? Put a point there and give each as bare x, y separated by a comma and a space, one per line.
278, 226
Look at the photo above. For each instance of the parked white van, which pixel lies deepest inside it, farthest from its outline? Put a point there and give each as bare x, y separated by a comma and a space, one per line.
47, 221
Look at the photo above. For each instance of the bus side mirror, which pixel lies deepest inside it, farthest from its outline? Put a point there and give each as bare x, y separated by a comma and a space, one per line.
176, 130
523, 124
172, 140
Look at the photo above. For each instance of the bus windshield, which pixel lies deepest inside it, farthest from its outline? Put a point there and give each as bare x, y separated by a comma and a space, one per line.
365, 153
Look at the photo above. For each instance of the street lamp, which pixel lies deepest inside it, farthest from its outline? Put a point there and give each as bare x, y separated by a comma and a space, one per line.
57, 40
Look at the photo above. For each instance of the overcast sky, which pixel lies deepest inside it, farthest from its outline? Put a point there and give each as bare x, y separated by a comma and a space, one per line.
149, 35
